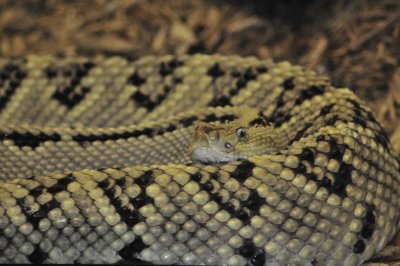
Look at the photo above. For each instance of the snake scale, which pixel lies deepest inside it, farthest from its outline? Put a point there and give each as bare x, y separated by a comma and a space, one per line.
95, 165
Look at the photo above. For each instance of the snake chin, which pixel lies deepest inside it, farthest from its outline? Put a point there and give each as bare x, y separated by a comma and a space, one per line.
206, 154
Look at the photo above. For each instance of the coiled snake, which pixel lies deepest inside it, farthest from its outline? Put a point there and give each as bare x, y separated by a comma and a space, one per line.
326, 193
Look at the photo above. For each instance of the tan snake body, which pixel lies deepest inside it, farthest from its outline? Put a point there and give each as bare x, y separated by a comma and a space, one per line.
329, 197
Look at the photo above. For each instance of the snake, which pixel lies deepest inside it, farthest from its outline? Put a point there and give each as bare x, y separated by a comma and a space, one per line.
189, 159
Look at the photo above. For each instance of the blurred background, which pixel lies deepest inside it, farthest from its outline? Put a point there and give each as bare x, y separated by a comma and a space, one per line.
356, 43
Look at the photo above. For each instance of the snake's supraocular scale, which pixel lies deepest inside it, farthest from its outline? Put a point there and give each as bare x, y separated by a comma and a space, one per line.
326, 194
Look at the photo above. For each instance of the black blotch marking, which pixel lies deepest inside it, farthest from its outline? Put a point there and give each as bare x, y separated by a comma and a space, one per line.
217, 198
145, 179
248, 250
229, 207
258, 260
262, 69
240, 84
69, 95
141, 200
261, 120
29, 139
48, 206
215, 71
341, 180
188, 121
360, 120
170, 128
220, 101
331, 121
381, 136
300, 133
358, 116
136, 80
208, 186
279, 100
371, 116
243, 216
215, 175
174, 63
288, 84
88, 64
249, 74
130, 217
307, 155
37, 256
222, 119
120, 182
142, 100
359, 247
145, 100
50, 73
243, 170
326, 109
301, 169
36, 191
61, 185
336, 151
309, 93
131, 251
11, 77
235, 74
369, 223
254, 202
198, 47
196, 177
312, 176
103, 184
227, 118
167, 68
177, 80
210, 118
243, 79
33, 218
279, 118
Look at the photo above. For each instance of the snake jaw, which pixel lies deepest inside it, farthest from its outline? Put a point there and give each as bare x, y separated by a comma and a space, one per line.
207, 154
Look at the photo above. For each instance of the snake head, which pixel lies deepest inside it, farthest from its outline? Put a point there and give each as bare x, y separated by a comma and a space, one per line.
232, 141
216, 143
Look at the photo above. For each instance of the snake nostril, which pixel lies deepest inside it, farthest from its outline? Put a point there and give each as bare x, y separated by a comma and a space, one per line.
228, 145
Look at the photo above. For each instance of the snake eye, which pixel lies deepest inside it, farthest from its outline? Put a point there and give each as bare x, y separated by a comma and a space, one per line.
241, 133
228, 145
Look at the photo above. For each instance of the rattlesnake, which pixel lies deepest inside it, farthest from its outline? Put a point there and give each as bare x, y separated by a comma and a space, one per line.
328, 196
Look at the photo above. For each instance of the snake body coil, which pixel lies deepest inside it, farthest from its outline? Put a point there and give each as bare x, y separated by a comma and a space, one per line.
329, 197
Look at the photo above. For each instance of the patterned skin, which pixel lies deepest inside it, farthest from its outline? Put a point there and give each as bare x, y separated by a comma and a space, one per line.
96, 164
